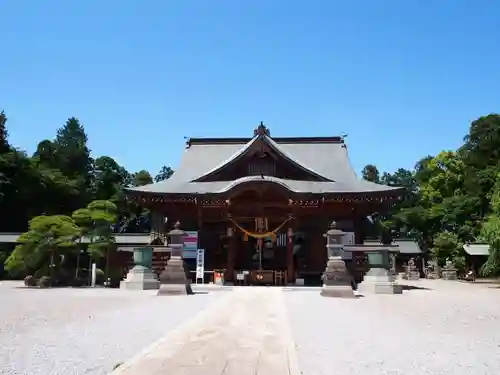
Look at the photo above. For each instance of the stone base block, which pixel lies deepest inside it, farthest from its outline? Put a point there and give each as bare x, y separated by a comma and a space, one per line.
140, 278
380, 287
338, 291
413, 275
433, 275
449, 275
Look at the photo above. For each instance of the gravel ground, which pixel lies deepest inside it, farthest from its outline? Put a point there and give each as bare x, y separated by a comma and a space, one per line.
454, 328
83, 331
450, 328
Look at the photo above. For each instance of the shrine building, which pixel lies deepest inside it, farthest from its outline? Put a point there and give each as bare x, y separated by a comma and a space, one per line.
260, 206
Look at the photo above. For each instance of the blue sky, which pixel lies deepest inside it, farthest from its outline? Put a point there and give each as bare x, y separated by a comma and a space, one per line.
402, 78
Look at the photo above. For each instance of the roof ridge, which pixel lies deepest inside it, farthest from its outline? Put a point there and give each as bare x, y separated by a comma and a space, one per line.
243, 140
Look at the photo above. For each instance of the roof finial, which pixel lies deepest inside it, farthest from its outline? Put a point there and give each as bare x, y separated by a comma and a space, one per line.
261, 130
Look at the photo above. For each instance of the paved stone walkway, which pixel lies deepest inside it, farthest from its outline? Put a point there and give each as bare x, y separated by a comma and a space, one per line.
245, 332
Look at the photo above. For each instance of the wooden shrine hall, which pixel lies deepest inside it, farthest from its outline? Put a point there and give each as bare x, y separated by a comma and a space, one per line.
261, 205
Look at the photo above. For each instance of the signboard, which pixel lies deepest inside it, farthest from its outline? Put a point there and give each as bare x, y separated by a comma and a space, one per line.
190, 245
200, 264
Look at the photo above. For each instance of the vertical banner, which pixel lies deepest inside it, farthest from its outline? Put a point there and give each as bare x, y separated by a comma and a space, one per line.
200, 264
190, 245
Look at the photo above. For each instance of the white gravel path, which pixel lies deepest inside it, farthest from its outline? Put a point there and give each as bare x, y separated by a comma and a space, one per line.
453, 329
83, 331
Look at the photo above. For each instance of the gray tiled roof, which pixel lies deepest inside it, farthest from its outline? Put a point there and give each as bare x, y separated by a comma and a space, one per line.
477, 249
329, 160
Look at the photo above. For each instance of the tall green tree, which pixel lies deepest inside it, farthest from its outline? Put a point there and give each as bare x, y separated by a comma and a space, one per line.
371, 173
164, 174
4, 134
73, 157
142, 178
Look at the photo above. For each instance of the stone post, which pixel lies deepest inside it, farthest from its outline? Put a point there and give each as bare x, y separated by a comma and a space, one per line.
378, 280
141, 276
336, 279
173, 280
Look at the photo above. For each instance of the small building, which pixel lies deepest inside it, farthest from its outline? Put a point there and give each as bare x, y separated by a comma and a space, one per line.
264, 203
477, 254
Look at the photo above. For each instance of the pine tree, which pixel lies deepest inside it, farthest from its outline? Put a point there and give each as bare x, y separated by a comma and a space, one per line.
4, 143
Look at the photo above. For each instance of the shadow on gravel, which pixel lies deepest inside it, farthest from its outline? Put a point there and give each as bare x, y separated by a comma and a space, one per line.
413, 287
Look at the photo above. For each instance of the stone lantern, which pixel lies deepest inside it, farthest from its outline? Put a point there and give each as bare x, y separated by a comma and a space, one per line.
141, 276
173, 280
379, 280
336, 279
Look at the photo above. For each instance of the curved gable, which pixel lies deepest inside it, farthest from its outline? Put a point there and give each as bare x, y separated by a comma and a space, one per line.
250, 148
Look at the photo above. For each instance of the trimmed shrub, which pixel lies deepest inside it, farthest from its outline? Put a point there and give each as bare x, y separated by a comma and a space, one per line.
29, 281
44, 282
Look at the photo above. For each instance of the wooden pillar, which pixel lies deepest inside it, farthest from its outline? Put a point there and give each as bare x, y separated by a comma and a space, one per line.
230, 254
290, 267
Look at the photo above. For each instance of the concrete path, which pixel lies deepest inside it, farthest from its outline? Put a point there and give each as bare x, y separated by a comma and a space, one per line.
245, 332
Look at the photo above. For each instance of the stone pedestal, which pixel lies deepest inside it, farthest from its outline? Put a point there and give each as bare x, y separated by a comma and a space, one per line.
140, 278
449, 272
379, 281
433, 275
173, 280
337, 279
412, 274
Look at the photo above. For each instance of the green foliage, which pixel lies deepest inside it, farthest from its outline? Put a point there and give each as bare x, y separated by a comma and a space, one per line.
142, 178
165, 173
452, 198
60, 180
447, 246
4, 134
47, 236
371, 173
